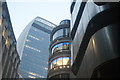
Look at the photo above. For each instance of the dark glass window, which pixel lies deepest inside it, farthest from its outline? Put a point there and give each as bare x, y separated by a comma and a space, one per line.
60, 46
61, 33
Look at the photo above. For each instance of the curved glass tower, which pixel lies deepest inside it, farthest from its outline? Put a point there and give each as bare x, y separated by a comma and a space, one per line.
59, 59
33, 46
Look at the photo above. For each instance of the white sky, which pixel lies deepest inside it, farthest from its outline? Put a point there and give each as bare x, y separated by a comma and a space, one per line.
22, 12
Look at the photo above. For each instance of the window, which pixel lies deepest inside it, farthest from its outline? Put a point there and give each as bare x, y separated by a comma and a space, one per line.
51, 66
32, 48
60, 46
57, 34
7, 42
66, 32
65, 60
4, 33
61, 33
54, 63
33, 37
31, 76
59, 63
34, 74
64, 46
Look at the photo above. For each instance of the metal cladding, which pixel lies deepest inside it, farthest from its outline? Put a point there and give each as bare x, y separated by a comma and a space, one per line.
95, 39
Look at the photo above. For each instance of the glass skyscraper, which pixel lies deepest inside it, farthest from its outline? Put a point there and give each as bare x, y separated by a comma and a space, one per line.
33, 45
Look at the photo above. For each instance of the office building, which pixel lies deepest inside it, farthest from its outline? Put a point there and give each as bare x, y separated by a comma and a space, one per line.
9, 58
95, 41
33, 44
59, 58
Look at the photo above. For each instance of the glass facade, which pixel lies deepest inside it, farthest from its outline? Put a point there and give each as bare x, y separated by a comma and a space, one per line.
60, 46
61, 33
59, 59
34, 59
60, 63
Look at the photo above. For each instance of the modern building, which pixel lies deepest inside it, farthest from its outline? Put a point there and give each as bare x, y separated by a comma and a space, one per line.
95, 30
59, 58
33, 48
9, 58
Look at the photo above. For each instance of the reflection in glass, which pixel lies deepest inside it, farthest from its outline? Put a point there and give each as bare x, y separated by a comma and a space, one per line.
61, 33
66, 32
59, 63
60, 46
65, 60
58, 34
54, 63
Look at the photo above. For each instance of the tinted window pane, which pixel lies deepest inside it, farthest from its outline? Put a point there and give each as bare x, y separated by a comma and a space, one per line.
57, 34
